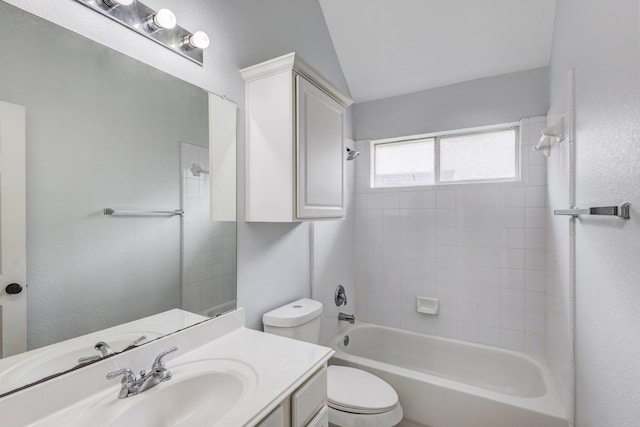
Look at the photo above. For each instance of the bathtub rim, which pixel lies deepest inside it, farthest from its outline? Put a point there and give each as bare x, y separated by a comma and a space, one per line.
219, 309
548, 404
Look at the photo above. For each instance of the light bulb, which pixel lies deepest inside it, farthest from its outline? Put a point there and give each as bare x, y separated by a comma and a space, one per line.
199, 40
164, 18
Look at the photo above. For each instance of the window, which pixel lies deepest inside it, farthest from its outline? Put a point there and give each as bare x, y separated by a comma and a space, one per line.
463, 156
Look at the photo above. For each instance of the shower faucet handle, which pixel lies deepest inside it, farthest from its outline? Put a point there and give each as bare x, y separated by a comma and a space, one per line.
340, 296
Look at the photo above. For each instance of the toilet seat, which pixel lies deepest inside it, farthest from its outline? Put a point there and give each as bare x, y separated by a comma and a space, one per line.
345, 419
359, 392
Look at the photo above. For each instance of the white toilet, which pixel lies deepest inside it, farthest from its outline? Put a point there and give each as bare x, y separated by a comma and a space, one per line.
356, 397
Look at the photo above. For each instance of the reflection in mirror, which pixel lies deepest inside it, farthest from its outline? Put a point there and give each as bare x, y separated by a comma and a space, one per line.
208, 247
104, 130
35, 365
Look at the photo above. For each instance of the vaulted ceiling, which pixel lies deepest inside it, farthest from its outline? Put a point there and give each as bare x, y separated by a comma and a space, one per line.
393, 47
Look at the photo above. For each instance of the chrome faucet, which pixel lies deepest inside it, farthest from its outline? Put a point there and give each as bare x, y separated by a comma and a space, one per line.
104, 349
131, 385
348, 317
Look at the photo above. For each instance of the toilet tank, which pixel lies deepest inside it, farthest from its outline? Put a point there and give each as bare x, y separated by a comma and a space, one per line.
299, 320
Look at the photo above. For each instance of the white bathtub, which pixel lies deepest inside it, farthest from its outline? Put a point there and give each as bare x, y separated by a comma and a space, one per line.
448, 383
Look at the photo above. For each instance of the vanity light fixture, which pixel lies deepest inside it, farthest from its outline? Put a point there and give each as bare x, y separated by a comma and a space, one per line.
116, 3
159, 26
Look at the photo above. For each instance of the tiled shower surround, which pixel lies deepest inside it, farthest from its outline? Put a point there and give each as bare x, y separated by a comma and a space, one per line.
332, 262
478, 248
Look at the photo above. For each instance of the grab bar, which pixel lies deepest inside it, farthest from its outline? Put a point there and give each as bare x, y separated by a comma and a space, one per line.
621, 211
111, 211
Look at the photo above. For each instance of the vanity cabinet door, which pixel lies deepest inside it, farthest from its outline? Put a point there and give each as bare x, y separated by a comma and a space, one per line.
275, 419
321, 419
309, 399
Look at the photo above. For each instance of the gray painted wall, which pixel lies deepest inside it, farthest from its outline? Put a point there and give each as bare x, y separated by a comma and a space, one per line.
493, 100
103, 130
274, 259
599, 39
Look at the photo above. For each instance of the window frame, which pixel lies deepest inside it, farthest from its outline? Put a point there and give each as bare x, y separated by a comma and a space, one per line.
437, 136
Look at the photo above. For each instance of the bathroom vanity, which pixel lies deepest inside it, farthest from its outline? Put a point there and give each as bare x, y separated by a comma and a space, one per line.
223, 374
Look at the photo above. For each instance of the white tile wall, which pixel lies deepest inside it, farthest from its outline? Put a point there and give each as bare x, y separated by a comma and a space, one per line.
208, 248
479, 248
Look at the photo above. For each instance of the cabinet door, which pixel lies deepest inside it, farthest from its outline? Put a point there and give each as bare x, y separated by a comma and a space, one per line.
320, 153
309, 399
321, 419
274, 419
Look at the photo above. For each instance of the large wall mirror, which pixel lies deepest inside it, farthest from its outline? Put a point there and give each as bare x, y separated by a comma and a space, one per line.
106, 131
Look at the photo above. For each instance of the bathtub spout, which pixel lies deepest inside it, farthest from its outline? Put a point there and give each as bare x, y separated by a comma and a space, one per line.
348, 317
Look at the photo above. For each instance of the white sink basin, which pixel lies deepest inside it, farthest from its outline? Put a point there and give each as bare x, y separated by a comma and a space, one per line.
199, 394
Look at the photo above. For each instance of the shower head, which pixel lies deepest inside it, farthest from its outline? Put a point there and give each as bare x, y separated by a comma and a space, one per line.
352, 154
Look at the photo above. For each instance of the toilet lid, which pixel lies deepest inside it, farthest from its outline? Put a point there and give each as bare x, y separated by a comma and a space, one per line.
357, 391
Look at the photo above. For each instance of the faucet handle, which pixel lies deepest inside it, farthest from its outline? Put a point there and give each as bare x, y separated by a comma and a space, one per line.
137, 341
88, 359
340, 296
159, 363
128, 379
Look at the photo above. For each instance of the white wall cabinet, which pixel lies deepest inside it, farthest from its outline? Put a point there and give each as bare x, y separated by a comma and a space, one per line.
295, 152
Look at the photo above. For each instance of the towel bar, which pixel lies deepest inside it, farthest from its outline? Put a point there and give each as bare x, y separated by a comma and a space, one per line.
621, 211
111, 211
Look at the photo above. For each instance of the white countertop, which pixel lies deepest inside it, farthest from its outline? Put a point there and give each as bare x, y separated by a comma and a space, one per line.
280, 365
